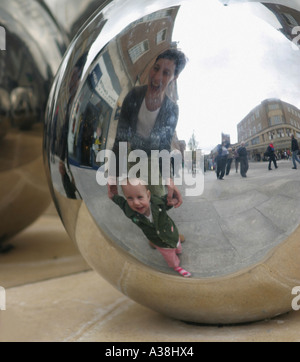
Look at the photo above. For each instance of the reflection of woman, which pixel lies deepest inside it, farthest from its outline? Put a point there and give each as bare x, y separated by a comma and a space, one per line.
148, 116
272, 157
243, 159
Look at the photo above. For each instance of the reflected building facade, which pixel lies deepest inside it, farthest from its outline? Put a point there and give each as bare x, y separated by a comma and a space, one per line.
271, 121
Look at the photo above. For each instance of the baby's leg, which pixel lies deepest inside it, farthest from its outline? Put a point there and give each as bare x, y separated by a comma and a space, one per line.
178, 249
170, 256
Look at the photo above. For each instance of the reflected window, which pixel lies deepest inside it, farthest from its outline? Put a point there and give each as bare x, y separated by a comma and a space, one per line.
275, 120
273, 106
280, 133
294, 112
255, 141
294, 123
161, 36
138, 50
159, 15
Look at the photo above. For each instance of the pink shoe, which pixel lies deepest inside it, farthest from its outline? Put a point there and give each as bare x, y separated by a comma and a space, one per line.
183, 272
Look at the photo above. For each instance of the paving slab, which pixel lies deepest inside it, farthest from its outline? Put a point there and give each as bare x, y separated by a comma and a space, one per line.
84, 308
40, 252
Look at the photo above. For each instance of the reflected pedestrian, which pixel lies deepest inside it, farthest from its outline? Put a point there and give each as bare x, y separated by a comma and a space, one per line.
272, 156
295, 150
236, 160
229, 160
221, 161
243, 159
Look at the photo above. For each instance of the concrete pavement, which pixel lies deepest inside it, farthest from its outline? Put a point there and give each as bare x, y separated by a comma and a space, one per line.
47, 300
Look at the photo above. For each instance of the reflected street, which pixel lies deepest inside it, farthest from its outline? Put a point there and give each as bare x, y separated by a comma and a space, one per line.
231, 226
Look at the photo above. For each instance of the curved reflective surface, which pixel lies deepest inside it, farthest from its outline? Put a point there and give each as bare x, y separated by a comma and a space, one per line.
33, 52
233, 88
71, 15
4, 111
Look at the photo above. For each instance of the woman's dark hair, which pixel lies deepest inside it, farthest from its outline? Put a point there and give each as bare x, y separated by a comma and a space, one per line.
177, 56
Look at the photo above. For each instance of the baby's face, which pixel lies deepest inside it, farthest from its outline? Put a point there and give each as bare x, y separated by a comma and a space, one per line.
138, 198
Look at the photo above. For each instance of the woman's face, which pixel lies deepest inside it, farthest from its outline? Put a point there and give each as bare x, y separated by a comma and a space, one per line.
160, 76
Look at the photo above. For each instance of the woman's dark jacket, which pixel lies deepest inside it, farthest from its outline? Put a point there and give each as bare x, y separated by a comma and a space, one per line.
163, 129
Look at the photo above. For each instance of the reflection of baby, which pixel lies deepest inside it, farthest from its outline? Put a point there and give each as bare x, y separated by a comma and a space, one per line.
149, 212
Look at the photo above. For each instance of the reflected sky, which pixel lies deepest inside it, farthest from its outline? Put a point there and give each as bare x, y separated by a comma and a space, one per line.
237, 58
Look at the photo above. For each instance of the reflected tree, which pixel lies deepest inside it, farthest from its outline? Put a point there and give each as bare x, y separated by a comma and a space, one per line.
193, 144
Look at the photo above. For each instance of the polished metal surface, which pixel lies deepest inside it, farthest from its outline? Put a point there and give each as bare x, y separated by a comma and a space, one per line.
238, 56
34, 49
4, 111
71, 14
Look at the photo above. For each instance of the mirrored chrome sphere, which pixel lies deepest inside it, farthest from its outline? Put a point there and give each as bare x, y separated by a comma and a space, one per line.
71, 14
32, 49
115, 97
